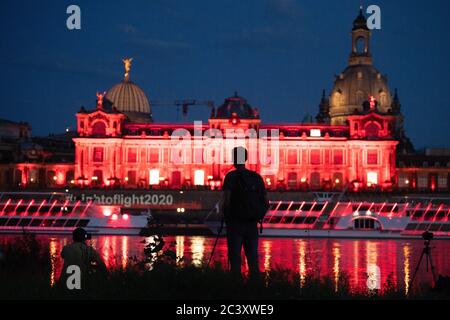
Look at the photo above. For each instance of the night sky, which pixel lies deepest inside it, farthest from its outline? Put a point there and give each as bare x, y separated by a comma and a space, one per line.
279, 54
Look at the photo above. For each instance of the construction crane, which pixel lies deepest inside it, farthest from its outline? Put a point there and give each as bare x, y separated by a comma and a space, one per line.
184, 104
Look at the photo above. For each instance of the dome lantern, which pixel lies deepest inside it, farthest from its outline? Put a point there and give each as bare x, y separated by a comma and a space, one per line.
360, 41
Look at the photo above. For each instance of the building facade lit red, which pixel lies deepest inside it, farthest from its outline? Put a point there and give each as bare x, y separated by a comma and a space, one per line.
111, 150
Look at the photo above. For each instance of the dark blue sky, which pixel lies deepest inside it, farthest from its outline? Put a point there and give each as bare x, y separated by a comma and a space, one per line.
279, 54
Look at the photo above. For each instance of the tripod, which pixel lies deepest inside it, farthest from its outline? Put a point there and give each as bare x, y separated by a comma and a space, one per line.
215, 243
429, 261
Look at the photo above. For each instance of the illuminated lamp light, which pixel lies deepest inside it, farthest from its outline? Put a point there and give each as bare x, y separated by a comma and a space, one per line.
372, 178
60, 178
181, 191
199, 177
182, 209
125, 216
368, 213
54, 178
114, 216
154, 176
162, 178
126, 179
178, 210
31, 179
406, 181
67, 190
303, 180
356, 214
107, 212
72, 181
315, 133
94, 178
234, 118
337, 181
209, 177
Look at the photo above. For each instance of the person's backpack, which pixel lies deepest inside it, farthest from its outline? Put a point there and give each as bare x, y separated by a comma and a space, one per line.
251, 196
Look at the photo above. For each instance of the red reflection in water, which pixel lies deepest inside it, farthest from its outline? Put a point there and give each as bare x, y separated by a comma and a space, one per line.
382, 260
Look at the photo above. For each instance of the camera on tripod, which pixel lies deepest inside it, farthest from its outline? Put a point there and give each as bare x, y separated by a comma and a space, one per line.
426, 252
427, 236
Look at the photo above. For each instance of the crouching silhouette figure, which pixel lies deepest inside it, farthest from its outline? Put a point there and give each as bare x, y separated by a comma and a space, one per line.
244, 204
82, 264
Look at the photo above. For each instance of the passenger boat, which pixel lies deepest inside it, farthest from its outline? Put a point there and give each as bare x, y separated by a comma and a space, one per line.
350, 219
56, 213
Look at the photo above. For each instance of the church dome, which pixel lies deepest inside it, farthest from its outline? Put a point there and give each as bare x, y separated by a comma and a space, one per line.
360, 80
129, 98
126, 96
236, 105
354, 86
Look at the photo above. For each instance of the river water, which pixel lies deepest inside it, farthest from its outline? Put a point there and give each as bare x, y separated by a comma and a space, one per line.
360, 260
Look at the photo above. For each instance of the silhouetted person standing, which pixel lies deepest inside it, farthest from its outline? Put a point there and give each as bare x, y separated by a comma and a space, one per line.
244, 205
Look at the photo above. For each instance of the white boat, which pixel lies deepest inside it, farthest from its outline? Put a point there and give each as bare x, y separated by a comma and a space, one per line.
54, 213
350, 220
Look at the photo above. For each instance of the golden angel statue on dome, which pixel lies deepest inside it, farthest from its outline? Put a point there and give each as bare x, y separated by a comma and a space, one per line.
127, 65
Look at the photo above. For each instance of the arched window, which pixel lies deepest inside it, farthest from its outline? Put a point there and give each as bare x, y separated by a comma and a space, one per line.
360, 45
70, 175
97, 154
51, 177
372, 130
383, 99
176, 179
131, 177
99, 128
315, 180
292, 180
